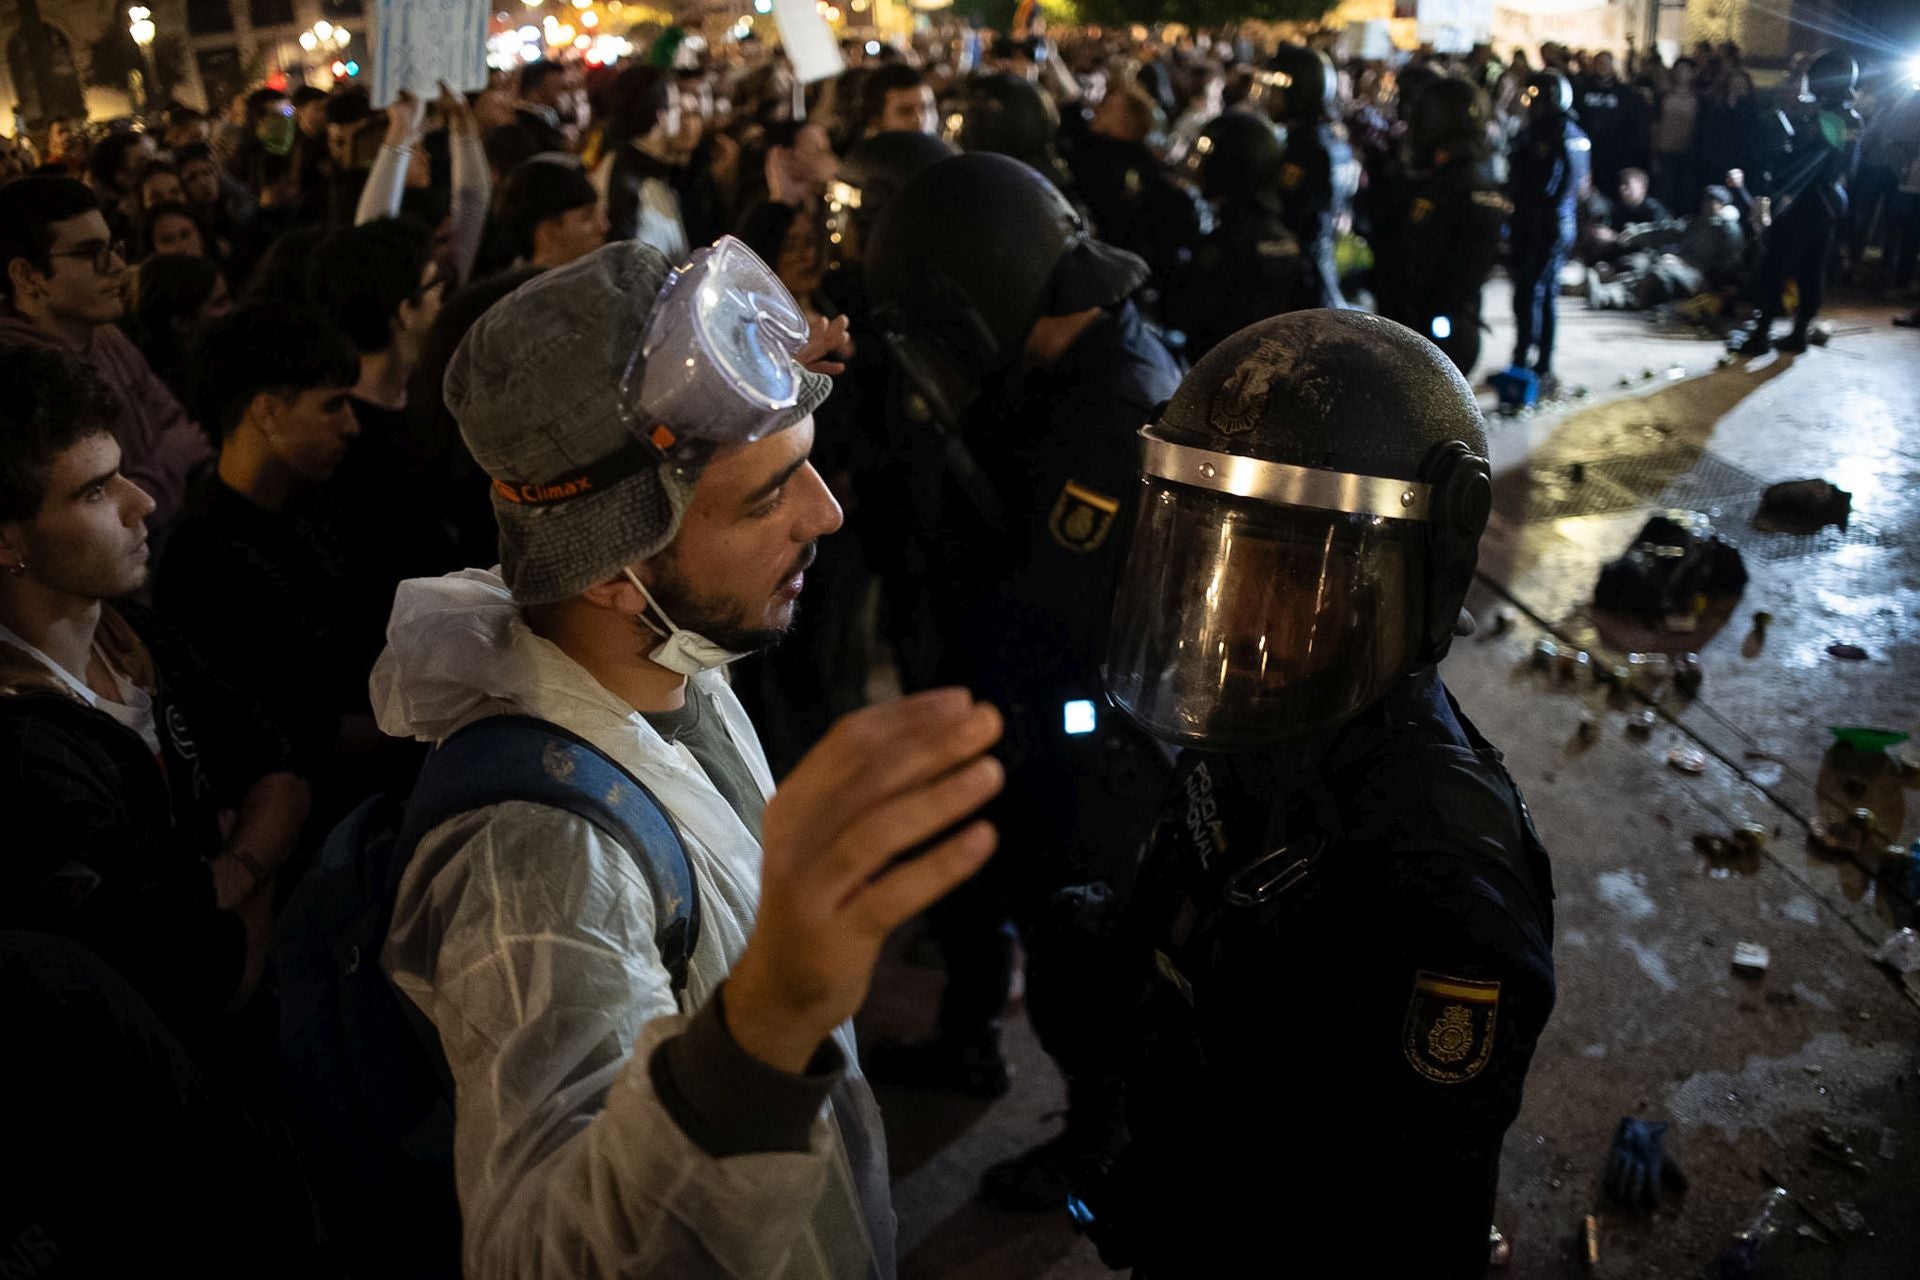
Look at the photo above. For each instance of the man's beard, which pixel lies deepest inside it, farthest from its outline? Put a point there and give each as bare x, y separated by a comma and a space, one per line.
717, 619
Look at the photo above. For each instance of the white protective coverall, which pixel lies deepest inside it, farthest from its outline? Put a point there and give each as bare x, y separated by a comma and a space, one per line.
527, 937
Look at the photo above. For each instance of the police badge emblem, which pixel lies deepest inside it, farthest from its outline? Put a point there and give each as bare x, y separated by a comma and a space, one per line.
1081, 518
1448, 1036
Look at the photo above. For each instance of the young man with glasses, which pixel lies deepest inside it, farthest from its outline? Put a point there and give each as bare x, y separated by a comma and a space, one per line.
62, 280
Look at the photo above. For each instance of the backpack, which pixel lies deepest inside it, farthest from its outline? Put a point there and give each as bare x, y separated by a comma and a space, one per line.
368, 1090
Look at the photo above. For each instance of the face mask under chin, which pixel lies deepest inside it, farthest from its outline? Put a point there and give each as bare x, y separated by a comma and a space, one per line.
687, 652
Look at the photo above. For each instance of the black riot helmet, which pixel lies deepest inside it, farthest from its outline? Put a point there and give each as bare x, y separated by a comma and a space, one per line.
871, 175
1548, 97
1310, 512
1447, 115
1237, 157
1832, 78
1299, 85
1001, 113
963, 261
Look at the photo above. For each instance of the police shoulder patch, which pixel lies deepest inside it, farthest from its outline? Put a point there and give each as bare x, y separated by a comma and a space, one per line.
1448, 1036
1291, 176
1422, 207
1082, 517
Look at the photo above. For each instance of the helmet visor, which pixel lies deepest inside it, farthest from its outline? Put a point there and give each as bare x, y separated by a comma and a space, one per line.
716, 359
1241, 623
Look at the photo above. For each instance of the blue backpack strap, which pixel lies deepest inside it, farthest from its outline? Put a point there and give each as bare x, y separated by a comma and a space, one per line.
517, 757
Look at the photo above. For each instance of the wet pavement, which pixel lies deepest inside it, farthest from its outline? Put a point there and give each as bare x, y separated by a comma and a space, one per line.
1653, 1018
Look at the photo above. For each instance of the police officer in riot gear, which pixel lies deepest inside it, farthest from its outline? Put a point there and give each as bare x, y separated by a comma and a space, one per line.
1437, 228
1013, 331
1248, 266
1318, 172
1547, 167
1810, 198
1004, 114
1344, 920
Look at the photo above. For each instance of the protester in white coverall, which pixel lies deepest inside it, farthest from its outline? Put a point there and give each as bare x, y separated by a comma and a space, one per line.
650, 529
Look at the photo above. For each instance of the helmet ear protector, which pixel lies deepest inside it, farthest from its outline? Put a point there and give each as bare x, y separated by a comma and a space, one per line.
1460, 484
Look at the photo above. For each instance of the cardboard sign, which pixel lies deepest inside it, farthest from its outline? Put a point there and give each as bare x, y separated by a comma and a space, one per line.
808, 40
419, 43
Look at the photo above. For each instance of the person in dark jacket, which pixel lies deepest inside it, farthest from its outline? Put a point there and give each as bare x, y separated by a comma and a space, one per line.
1617, 121
148, 805
1437, 236
1318, 173
1039, 373
1248, 265
536, 123
1135, 205
1548, 167
1338, 962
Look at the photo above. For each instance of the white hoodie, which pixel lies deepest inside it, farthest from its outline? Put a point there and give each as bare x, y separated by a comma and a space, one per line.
527, 937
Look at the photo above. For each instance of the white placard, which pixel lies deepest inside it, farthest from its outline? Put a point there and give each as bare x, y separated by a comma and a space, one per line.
808, 40
419, 43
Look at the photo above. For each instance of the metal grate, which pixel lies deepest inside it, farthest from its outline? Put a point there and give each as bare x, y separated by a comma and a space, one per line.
1676, 477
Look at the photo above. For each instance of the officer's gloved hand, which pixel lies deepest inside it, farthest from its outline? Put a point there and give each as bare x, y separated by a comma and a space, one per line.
1638, 1168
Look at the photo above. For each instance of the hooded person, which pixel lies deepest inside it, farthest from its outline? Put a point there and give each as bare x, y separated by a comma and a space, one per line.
1024, 370
1339, 961
646, 430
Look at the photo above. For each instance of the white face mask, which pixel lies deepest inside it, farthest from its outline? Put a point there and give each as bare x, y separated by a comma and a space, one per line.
683, 652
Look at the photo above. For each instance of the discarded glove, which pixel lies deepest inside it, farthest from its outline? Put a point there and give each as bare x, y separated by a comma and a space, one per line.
1638, 1168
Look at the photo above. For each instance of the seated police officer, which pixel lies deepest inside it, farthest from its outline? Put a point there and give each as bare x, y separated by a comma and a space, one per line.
1344, 922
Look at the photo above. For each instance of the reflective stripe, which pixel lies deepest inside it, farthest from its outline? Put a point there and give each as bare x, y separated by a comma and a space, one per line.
1282, 483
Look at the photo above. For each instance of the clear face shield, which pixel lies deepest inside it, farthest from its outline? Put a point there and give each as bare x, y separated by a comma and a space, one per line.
715, 365
1261, 602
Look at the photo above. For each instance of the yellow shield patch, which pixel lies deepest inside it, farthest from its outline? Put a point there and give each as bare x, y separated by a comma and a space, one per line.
1081, 517
1422, 208
1448, 1036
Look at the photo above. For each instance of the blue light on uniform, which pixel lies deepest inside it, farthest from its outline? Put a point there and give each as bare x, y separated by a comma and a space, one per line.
1079, 716
353, 68
1442, 328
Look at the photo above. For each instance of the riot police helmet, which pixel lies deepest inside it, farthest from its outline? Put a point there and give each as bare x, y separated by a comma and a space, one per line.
1548, 97
1449, 115
1002, 113
1832, 78
873, 174
966, 258
1308, 522
1300, 84
1237, 157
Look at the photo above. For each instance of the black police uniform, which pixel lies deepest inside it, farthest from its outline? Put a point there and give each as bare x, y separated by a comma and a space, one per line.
1134, 204
1022, 607
1549, 163
1318, 179
1434, 247
1351, 946
1248, 267
1823, 153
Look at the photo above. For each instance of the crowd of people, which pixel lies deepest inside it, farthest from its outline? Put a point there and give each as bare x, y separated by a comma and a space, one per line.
278, 387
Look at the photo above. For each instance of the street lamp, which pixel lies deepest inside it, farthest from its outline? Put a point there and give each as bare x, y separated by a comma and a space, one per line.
140, 27
325, 38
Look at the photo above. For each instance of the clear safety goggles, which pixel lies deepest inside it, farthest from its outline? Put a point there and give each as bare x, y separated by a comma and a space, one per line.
716, 361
